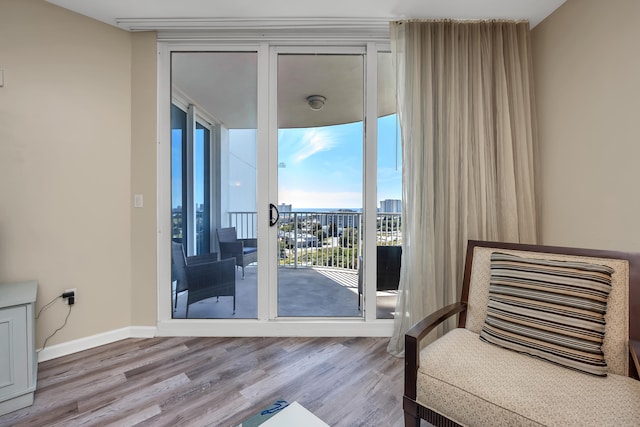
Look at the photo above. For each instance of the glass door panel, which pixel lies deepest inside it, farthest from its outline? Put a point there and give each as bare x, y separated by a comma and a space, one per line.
202, 188
389, 189
214, 97
320, 170
178, 145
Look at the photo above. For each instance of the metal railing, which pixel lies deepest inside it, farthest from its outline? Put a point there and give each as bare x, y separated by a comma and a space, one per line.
325, 239
322, 239
246, 224
389, 229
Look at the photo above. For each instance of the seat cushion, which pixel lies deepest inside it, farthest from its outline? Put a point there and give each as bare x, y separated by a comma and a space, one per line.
476, 383
249, 250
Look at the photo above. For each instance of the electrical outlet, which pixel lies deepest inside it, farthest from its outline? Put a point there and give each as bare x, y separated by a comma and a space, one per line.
70, 295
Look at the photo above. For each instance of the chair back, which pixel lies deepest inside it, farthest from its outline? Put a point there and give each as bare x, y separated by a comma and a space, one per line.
178, 264
626, 270
227, 234
388, 267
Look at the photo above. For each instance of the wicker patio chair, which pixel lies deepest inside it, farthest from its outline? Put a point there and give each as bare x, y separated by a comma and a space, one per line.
245, 251
202, 276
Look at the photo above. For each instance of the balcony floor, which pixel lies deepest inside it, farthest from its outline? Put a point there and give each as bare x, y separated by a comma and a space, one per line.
303, 292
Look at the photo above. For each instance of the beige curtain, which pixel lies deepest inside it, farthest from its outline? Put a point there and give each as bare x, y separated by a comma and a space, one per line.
466, 109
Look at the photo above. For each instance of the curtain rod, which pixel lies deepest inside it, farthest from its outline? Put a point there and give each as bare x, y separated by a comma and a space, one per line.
464, 21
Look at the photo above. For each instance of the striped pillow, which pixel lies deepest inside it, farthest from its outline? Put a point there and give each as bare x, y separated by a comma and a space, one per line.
553, 310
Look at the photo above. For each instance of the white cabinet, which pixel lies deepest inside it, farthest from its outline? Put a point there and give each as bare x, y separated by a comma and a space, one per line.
18, 361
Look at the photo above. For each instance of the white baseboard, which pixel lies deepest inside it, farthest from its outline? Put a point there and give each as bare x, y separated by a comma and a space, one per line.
286, 328
233, 328
86, 343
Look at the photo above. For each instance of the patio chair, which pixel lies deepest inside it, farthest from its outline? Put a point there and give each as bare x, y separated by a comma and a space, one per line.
202, 276
387, 270
546, 336
245, 251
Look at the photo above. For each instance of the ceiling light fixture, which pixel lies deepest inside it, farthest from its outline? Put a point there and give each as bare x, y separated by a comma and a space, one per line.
316, 102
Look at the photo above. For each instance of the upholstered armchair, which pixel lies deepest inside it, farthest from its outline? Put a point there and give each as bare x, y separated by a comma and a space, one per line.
202, 276
245, 251
546, 336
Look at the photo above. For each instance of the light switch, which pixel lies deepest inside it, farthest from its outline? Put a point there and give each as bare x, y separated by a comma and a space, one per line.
138, 201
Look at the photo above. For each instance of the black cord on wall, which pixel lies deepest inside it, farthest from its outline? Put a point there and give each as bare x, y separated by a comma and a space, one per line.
47, 305
56, 331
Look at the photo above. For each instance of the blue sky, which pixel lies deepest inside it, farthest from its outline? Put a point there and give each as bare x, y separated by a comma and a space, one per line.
322, 166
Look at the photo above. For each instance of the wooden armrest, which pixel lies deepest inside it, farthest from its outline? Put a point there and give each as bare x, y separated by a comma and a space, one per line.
412, 343
634, 352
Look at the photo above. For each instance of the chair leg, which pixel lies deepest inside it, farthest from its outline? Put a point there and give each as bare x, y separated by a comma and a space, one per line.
243, 272
411, 420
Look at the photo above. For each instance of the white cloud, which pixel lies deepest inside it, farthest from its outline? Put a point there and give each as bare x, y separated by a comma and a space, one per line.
313, 141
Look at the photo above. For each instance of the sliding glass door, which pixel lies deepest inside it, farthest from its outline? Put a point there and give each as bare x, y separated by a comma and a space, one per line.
320, 173
310, 130
213, 182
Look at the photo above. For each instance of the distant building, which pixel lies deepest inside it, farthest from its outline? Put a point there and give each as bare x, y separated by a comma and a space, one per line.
391, 206
343, 219
284, 208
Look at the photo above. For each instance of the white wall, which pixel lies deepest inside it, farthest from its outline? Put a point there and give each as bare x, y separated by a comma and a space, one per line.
242, 170
587, 76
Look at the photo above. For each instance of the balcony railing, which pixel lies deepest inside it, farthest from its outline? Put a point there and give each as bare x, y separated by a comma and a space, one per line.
322, 239
246, 224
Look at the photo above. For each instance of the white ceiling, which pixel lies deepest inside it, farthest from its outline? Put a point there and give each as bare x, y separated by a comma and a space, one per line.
114, 11
224, 85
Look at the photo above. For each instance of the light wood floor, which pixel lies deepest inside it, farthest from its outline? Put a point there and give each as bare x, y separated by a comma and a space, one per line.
183, 381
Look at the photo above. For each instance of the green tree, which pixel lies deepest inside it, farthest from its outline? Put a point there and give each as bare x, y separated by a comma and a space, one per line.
349, 237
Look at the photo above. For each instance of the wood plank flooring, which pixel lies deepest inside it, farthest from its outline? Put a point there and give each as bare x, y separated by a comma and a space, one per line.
182, 381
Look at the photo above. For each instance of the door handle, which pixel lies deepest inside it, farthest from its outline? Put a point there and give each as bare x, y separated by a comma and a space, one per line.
273, 221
